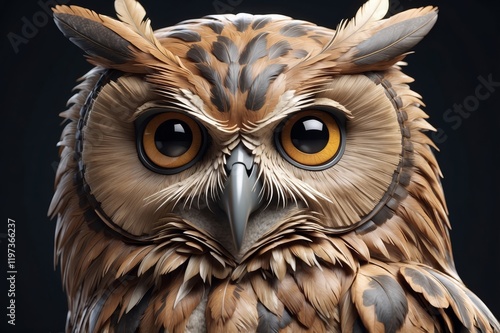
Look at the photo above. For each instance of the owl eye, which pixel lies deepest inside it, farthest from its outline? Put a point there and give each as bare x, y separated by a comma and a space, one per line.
311, 139
169, 142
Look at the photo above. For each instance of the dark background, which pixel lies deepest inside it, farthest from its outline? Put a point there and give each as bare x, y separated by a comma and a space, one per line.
37, 76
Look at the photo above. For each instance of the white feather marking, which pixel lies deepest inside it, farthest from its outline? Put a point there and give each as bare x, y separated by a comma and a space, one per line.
370, 12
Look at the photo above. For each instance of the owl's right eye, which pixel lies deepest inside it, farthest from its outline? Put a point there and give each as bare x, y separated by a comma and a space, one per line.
169, 142
312, 139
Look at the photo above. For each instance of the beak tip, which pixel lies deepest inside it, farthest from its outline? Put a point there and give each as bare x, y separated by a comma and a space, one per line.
238, 241
238, 219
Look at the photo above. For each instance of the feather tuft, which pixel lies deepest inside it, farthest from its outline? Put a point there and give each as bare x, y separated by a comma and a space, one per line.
112, 43
395, 39
349, 33
134, 16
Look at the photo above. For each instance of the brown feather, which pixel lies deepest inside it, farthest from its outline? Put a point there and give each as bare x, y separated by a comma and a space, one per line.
266, 291
295, 302
323, 287
418, 320
176, 313
232, 308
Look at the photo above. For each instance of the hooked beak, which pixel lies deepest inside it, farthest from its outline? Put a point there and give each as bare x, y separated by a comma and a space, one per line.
240, 196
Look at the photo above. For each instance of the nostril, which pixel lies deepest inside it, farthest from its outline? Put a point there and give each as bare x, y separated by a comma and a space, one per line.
239, 155
250, 170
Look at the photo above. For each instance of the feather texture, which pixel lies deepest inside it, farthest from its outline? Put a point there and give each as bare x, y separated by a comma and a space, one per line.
384, 42
133, 14
379, 299
350, 33
232, 308
394, 40
112, 43
92, 36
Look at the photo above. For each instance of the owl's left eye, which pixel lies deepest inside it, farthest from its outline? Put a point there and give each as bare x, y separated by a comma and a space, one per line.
169, 142
311, 139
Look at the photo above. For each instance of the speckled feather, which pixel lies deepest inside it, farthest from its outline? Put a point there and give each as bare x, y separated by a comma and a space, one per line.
360, 247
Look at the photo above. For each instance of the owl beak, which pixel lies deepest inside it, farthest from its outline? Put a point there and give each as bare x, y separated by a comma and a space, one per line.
240, 196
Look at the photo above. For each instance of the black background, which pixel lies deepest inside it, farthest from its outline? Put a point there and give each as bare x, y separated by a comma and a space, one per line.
37, 78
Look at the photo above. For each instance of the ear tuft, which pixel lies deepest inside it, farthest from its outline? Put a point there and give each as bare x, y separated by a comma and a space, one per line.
369, 42
394, 40
128, 45
93, 37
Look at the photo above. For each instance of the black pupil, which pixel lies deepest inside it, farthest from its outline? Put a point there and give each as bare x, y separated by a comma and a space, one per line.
173, 138
309, 135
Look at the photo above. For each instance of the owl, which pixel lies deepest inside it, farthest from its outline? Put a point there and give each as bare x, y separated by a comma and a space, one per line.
253, 173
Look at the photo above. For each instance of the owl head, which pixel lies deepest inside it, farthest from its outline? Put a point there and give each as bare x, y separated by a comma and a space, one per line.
229, 120
231, 145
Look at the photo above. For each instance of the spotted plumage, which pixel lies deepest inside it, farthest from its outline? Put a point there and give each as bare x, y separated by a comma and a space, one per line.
253, 173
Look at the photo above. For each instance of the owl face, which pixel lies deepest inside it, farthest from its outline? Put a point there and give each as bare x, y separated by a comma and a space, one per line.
246, 124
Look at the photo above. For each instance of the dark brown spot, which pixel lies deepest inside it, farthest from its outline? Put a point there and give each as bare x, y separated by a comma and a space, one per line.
209, 73
255, 49
225, 50
258, 90
216, 27
185, 35
389, 301
198, 54
261, 22
231, 81
270, 322
382, 215
299, 54
246, 78
279, 49
294, 29
220, 98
